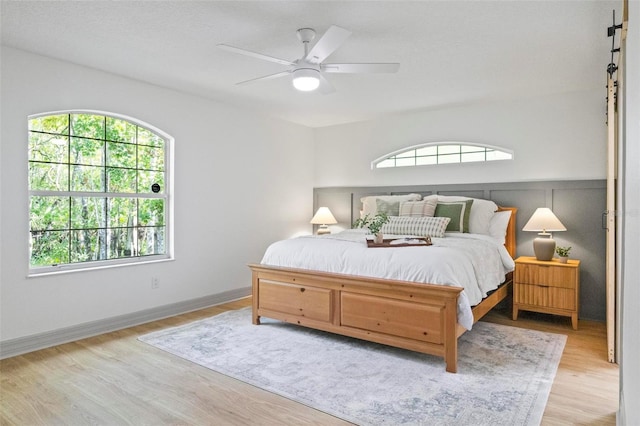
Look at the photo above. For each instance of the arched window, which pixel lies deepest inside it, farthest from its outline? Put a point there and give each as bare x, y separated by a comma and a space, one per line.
98, 191
442, 153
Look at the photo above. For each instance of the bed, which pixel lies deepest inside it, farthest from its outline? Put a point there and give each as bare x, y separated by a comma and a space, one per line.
411, 313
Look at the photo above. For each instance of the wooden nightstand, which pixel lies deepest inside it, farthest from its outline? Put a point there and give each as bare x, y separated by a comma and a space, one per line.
549, 287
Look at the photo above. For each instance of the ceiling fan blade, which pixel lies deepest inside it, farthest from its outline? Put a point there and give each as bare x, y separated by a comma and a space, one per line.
254, 54
325, 86
265, 77
328, 43
361, 68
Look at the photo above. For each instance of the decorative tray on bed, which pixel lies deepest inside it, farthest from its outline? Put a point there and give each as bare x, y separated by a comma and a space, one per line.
401, 242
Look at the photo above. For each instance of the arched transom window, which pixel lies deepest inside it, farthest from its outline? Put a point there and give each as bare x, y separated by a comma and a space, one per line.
442, 153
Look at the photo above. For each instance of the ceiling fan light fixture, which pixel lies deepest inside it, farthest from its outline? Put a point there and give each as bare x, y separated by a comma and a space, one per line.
306, 79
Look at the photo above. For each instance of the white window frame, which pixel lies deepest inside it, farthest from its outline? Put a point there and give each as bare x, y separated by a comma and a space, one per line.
394, 154
167, 196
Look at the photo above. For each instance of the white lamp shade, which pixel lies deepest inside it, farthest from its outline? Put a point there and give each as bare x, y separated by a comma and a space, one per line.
544, 220
323, 217
306, 79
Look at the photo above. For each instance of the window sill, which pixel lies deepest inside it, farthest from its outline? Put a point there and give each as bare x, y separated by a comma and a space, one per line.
68, 269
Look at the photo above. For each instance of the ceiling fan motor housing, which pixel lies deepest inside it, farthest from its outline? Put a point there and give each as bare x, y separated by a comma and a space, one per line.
305, 35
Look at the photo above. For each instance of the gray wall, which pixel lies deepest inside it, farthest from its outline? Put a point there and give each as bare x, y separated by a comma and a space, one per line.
578, 204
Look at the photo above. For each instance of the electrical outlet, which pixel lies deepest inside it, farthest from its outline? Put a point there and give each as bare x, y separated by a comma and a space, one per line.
155, 283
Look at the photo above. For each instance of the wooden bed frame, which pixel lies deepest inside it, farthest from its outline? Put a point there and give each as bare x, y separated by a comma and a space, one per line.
415, 316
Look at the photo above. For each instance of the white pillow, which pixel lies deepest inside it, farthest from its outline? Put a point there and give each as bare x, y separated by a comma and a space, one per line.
498, 225
369, 206
418, 208
418, 226
482, 212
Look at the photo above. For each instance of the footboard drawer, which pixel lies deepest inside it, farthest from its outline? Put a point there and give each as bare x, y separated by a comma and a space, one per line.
393, 317
304, 301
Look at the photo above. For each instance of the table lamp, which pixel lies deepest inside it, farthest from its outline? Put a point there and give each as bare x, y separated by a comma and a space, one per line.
323, 217
544, 220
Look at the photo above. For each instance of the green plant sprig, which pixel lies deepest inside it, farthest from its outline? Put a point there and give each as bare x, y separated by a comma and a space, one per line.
373, 223
563, 251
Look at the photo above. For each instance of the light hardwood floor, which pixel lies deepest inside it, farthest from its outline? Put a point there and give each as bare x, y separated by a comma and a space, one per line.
113, 379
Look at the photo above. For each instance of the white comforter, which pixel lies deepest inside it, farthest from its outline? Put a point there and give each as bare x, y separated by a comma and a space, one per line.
477, 263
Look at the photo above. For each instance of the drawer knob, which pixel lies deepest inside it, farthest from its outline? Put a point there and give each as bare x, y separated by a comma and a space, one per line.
302, 289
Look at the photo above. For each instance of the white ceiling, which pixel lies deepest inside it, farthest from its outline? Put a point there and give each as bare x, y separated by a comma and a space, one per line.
450, 52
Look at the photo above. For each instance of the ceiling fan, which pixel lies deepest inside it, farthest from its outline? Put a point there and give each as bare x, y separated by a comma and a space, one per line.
307, 72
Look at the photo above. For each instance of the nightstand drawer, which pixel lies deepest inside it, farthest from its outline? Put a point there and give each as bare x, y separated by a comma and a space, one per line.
545, 296
550, 276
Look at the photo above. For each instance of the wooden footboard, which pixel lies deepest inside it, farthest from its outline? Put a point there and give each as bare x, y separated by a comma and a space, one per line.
418, 317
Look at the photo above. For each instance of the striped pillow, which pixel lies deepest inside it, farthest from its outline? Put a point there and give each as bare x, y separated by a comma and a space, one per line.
426, 207
418, 226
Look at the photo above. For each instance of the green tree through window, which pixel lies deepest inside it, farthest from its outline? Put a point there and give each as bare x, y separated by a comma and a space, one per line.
97, 190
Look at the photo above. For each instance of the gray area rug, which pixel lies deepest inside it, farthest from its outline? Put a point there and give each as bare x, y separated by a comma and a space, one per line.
504, 373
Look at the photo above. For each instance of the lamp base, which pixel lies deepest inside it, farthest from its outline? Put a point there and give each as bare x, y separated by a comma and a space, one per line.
544, 247
323, 229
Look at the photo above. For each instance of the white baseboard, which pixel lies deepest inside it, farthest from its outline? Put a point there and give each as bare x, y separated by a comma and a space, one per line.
21, 345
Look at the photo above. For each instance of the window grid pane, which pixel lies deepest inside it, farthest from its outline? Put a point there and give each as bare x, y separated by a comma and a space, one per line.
87, 151
54, 124
87, 178
449, 158
428, 150
121, 180
49, 248
448, 149
120, 130
471, 148
469, 157
423, 161
48, 176
411, 153
121, 155
87, 213
48, 147
88, 126
87, 245
389, 162
54, 213
404, 162
150, 158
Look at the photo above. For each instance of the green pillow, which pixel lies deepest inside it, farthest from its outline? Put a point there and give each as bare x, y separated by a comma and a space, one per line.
458, 212
390, 208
